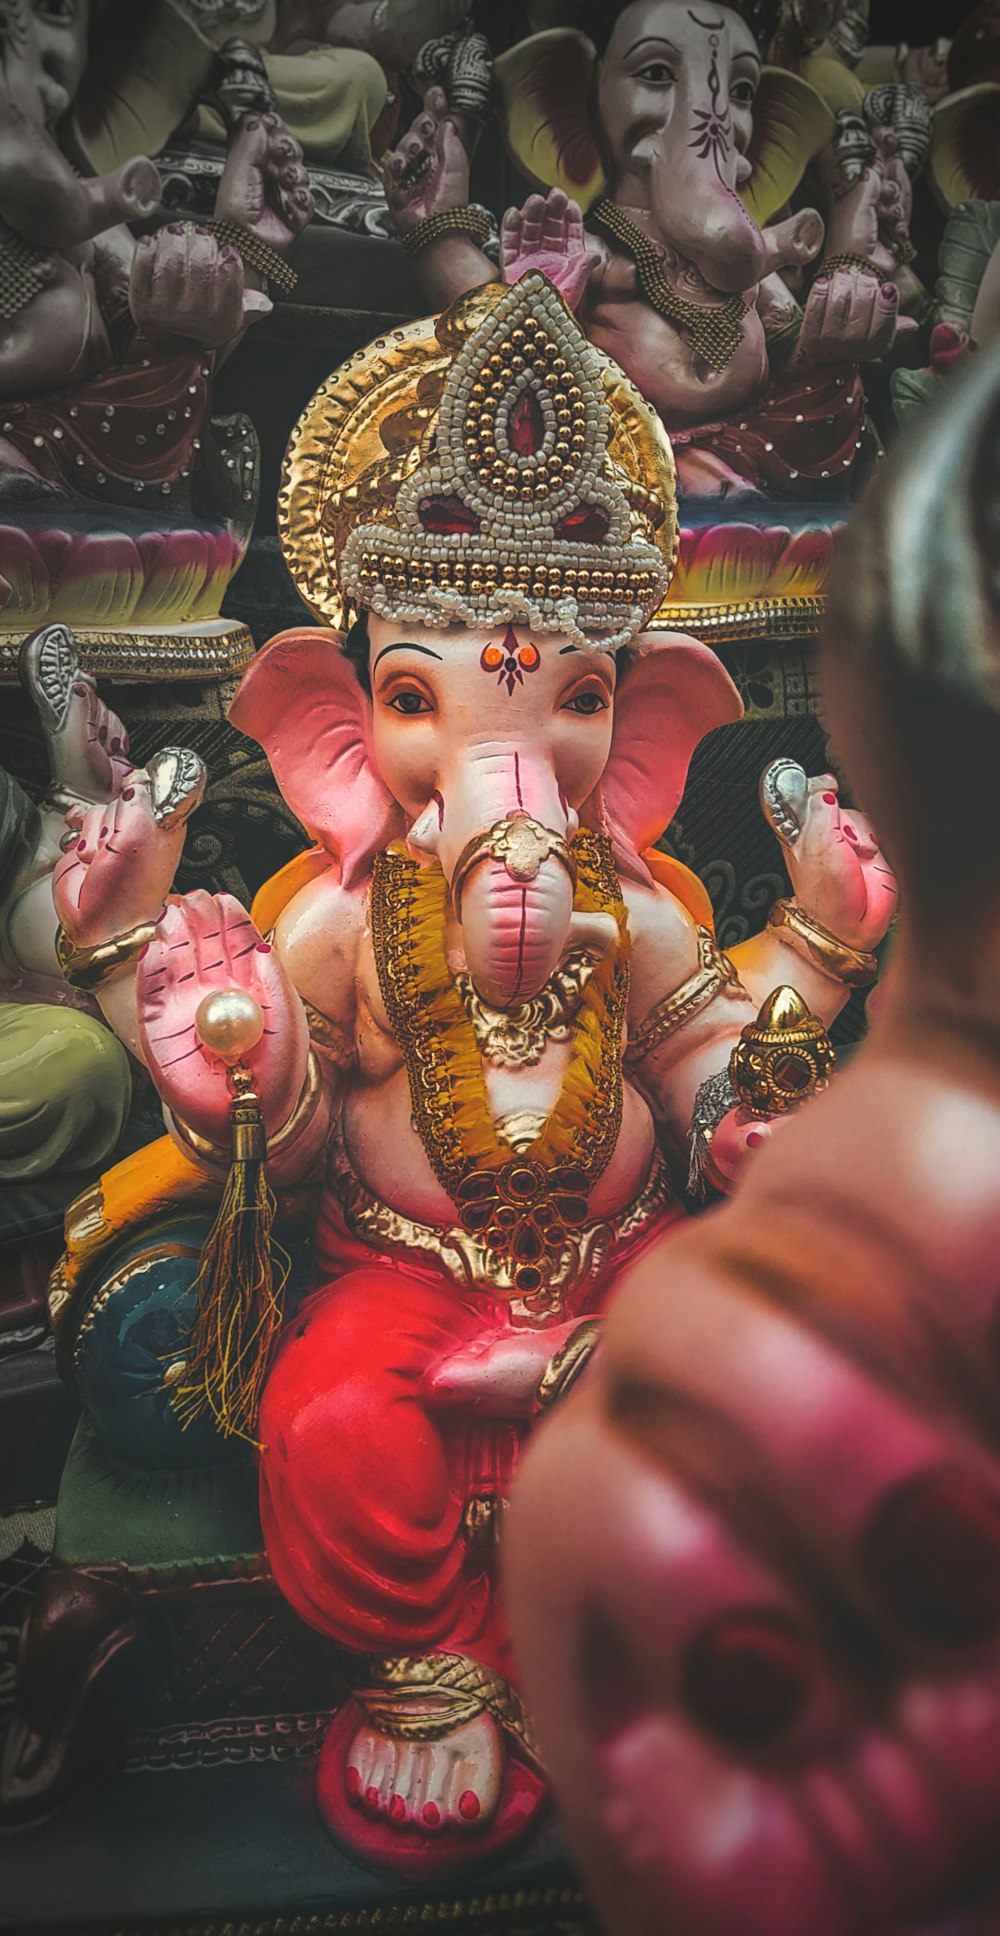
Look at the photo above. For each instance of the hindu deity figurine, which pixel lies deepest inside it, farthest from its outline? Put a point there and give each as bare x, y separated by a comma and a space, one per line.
120, 506
755, 1561
481, 1018
680, 150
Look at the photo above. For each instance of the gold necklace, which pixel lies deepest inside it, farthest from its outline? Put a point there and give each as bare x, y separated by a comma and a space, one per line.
522, 1206
715, 333
517, 1038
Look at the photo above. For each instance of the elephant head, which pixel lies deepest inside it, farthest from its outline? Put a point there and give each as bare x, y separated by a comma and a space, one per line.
676, 116
486, 752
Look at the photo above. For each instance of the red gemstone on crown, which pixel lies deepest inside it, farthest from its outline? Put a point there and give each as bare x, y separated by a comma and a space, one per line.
588, 524
526, 425
446, 514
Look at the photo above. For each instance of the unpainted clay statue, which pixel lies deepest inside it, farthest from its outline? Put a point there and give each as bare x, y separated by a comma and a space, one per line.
754, 1564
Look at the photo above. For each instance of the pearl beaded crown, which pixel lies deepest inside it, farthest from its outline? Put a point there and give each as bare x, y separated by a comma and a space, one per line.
515, 512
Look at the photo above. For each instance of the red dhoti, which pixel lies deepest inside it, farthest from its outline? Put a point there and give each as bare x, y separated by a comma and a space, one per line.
368, 1489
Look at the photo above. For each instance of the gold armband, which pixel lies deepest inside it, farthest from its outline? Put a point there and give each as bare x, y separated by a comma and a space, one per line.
87, 968
449, 221
817, 945
566, 1365
848, 260
256, 253
714, 975
219, 1155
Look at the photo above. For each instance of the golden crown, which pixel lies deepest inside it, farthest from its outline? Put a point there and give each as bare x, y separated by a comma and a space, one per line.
488, 467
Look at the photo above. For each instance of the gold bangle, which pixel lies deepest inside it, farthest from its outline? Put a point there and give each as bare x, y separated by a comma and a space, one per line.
87, 968
782, 1058
256, 253
219, 1156
848, 260
449, 221
566, 1365
714, 975
521, 843
817, 945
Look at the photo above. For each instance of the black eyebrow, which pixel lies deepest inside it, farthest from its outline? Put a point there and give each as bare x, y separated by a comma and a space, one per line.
563, 649
406, 645
651, 40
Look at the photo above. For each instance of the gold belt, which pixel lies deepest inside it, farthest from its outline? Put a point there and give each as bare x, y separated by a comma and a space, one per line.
467, 1260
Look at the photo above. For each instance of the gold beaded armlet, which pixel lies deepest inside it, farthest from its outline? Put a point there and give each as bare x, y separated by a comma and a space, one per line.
256, 253
448, 221
714, 975
848, 260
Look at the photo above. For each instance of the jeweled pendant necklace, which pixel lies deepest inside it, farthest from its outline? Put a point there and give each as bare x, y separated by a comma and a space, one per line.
523, 1206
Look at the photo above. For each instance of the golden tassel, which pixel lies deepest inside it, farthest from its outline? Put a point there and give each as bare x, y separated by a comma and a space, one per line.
240, 1285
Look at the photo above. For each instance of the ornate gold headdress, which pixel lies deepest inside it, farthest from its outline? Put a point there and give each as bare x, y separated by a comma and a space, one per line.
487, 468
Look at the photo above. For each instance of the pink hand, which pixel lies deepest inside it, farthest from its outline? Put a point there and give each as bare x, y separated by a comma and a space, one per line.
547, 234
429, 171
839, 874
118, 870
207, 942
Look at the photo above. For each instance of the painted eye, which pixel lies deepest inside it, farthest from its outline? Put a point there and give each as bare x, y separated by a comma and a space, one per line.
410, 703
742, 94
586, 703
657, 74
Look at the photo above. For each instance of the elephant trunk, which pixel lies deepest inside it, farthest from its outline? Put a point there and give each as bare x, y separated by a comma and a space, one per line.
515, 931
502, 831
703, 219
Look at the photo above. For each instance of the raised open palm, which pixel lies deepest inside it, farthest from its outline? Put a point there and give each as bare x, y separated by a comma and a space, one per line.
204, 943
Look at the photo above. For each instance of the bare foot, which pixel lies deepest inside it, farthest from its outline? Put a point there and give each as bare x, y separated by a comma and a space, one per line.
454, 1782
88, 746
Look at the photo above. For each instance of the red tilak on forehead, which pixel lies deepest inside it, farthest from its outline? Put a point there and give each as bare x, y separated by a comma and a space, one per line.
510, 661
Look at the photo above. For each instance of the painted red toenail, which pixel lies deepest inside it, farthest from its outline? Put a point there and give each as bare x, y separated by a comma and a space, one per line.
397, 1809
128, 793
849, 833
81, 690
469, 1806
431, 1814
371, 1797
263, 947
352, 1783
830, 799
755, 1139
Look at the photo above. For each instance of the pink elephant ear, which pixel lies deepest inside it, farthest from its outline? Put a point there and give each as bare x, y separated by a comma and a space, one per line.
301, 701
672, 692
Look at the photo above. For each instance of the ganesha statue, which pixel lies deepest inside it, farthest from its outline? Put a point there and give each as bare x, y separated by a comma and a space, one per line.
482, 1020
123, 506
681, 150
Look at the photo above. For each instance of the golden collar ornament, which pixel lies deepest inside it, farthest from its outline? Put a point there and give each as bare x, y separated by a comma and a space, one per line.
522, 1206
714, 331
